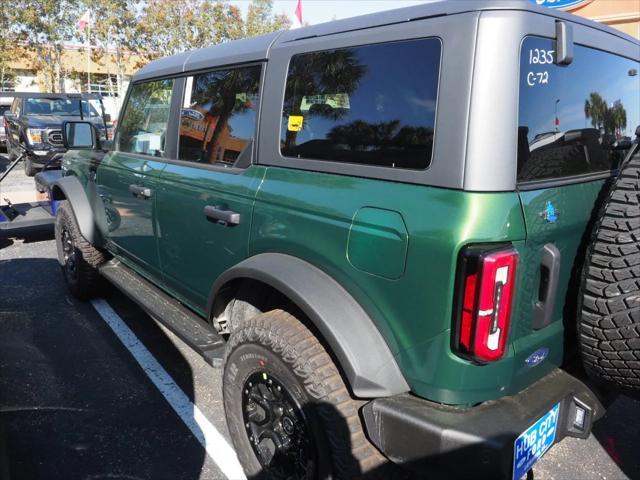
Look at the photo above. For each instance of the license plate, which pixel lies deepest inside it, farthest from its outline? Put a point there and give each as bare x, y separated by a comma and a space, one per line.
534, 442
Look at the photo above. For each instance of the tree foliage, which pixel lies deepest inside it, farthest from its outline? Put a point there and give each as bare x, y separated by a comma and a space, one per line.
114, 34
125, 31
261, 19
46, 26
612, 119
8, 44
179, 25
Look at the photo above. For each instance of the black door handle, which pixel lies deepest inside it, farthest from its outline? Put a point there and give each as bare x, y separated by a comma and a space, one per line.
222, 216
140, 191
549, 277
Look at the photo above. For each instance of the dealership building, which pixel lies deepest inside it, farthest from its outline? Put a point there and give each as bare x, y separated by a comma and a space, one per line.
621, 14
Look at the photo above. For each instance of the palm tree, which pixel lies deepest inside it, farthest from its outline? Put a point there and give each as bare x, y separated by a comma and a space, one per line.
595, 108
321, 73
218, 94
618, 118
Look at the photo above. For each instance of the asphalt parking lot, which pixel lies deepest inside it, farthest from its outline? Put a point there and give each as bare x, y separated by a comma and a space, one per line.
100, 390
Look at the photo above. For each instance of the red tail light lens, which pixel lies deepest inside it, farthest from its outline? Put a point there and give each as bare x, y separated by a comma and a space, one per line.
487, 279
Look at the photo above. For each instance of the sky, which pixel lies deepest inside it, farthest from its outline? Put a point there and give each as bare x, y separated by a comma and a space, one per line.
319, 11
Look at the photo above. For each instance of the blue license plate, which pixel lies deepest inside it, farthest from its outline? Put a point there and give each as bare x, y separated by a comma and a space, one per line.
534, 442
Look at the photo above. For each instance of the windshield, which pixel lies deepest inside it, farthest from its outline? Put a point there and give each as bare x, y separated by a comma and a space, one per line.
59, 106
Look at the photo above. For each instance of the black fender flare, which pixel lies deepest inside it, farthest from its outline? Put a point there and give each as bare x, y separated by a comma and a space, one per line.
362, 352
71, 189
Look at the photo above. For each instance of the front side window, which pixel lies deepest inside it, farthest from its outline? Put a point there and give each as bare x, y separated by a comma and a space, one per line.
370, 105
144, 123
218, 118
576, 119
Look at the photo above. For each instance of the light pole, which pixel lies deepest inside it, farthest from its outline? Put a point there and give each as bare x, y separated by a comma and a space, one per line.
556, 120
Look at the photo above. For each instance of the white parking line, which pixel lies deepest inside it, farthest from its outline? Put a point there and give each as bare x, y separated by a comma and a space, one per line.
209, 437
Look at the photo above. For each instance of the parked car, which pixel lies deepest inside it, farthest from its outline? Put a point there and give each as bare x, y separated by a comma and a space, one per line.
5, 105
372, 227
35, 121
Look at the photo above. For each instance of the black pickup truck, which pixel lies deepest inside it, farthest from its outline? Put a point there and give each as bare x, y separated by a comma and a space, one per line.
35, 121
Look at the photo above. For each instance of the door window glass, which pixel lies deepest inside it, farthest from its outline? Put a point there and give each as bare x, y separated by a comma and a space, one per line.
218, 118
370, 105
143, 126
575, 119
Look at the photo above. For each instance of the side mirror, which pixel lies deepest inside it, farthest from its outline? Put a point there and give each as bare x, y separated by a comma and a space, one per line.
78, 135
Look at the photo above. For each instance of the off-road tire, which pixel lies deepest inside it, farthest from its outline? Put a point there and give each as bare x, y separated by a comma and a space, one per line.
609, 302
280, 345
86, 282
29, 169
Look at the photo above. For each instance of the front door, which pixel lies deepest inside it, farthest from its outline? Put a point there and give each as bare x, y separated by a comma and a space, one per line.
205, 200
127, 178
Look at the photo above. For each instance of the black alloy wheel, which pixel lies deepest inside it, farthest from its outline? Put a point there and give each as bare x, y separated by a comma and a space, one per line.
70, 264
277, 428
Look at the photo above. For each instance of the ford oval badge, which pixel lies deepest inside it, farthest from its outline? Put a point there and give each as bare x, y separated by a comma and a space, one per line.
537, 357
560, 4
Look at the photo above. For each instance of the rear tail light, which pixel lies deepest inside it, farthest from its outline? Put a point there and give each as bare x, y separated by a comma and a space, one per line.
487, 284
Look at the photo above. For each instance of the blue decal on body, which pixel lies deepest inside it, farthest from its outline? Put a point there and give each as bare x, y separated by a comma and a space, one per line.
550, 214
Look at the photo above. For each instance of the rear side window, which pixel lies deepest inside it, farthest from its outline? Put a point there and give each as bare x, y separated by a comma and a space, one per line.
143, 126
218, 118
577, 119
369, 105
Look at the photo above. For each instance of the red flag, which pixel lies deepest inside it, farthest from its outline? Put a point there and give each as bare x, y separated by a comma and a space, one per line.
298, 12
84, 21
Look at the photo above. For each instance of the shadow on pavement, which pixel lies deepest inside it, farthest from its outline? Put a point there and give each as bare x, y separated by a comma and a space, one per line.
619, 435
74, 404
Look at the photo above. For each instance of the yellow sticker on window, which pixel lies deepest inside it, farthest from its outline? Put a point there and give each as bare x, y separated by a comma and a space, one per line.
295, 123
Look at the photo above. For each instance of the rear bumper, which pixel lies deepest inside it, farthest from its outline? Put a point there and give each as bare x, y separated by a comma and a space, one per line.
475, 442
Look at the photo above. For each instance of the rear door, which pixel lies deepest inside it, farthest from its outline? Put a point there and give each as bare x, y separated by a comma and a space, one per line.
575, 124
206, 196
127, 177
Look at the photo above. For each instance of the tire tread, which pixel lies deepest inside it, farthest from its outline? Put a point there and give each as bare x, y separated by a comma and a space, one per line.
286, 336
609, 304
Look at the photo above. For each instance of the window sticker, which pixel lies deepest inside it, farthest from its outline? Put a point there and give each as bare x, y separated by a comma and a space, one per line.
295, 123
337, 100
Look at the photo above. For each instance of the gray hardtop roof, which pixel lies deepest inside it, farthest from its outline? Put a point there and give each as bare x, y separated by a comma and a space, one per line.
257, 48
437, 8
239, 51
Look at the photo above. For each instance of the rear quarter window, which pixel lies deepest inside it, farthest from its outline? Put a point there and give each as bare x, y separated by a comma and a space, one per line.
577, 119
370, 105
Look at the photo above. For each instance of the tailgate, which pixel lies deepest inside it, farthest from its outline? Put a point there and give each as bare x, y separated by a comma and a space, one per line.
558, 221
574, 126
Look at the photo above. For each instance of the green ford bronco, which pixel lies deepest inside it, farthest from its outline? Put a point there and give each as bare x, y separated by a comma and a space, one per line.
411, 236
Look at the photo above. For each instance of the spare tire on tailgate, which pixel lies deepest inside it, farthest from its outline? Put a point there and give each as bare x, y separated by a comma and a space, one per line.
609, 302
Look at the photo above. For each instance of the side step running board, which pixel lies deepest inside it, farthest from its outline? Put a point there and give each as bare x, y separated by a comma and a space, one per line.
189, 327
